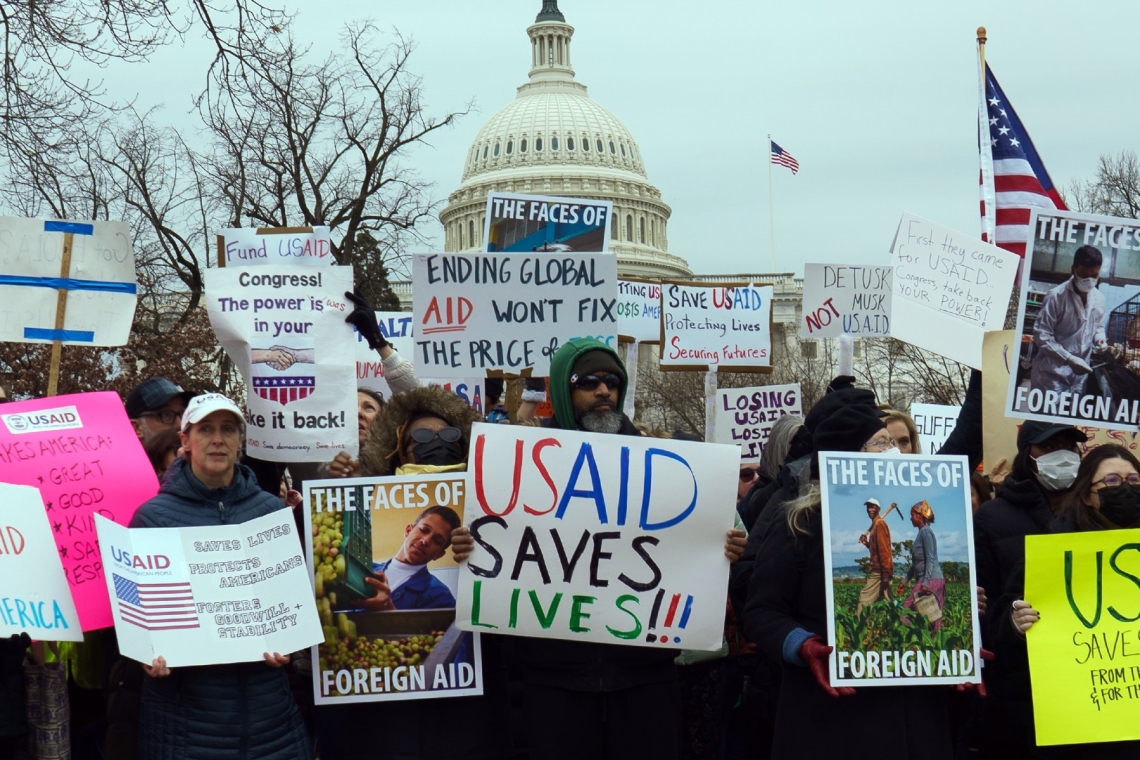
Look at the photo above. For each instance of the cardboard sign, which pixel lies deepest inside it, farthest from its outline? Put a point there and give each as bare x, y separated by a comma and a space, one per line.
935, 422
209, 595
479, 313
1085, 685
949, 289
725, 326
1079, 357
275, 246
100, 282
284, 328
36, 599
894, 617
385, 584
82, 454
604, 538
529, 223
639, 311
745, 416
846, 300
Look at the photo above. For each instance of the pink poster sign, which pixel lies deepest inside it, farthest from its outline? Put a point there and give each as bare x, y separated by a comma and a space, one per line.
81, 452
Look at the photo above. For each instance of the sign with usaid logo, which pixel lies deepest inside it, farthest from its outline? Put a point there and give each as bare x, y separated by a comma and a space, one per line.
62, 418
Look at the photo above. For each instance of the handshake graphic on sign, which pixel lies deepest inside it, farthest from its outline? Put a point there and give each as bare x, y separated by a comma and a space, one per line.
282, 358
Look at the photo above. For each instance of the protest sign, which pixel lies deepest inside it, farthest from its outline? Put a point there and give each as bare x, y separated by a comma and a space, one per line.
275, 246
36, 599
949, 289
924, 630
602, 538
1078, 322
92, 263
527, 223
209, 595
512, 311
385, 587
284, 328
639, 311
1085, 685
397, 329
745, 416
82, 454
707, 326
841, 299
935, 422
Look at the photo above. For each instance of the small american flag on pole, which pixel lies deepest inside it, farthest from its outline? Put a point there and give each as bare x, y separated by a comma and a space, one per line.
784, 158
155, 606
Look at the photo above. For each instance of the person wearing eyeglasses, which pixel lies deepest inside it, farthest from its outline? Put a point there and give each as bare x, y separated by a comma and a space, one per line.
1105, 496
156, 405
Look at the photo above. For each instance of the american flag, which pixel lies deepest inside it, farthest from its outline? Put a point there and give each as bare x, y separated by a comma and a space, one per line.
156, 606
1013, 178
783, 157
283, 389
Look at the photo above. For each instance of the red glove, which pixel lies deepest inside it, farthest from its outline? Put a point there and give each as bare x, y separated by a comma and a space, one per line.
816, 654
987, 656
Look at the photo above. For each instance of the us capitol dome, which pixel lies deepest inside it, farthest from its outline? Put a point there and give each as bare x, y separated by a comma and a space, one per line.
554, 140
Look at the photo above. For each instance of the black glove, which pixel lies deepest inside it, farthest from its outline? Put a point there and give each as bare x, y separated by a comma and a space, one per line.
363, 318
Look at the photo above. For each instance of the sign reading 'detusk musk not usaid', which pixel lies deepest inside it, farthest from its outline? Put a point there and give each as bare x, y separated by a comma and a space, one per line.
481, 313
99, 282
284, 328
603, 538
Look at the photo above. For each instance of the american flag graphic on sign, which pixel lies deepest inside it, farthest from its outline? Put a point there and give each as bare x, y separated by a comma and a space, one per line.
156, 606
283, 389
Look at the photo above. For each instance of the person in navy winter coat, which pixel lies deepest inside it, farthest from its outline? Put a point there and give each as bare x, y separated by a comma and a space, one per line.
241, 711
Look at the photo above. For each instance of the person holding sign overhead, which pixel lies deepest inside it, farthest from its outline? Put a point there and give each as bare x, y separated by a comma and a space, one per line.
238, 710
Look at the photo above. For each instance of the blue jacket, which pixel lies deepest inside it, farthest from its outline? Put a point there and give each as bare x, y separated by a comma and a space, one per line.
242, 711
423, 591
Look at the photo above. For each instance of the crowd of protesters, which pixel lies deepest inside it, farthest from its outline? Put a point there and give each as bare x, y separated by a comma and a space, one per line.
766, 693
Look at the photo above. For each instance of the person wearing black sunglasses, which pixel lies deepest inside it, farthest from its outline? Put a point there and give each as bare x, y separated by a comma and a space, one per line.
422, 430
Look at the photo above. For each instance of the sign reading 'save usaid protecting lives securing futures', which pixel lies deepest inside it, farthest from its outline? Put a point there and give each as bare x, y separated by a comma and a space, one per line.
725, 326
284, 328
898, 616
529, 223
479, 313
82, 454
209, 595
36, 599
1078, 322
602, 538
745, 416
385, 582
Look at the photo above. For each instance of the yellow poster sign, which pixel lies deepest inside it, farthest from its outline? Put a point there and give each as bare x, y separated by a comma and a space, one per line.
1084, 653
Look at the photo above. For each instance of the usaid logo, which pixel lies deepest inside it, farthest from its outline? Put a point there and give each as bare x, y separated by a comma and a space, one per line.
63, 418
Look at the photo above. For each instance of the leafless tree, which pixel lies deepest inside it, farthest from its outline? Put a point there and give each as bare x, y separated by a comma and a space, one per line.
1115, 190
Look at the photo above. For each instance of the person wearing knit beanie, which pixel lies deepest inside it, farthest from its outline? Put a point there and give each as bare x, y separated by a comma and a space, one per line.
852, 428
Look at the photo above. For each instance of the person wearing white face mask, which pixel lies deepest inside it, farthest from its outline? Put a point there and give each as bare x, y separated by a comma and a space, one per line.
1069, 326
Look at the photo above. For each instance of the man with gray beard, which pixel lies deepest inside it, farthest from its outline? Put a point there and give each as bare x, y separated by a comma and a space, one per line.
587, 388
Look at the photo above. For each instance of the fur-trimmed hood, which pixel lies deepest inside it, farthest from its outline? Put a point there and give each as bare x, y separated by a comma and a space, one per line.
382, 436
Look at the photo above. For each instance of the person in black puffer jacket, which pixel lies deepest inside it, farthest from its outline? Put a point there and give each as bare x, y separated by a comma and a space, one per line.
241, 711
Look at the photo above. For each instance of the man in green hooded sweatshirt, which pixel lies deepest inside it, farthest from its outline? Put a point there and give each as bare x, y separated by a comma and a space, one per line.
581, 699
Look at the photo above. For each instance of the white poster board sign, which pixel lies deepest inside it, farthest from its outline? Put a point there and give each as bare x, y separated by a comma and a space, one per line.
841, 299
745, 416
270, 246
36, 599
480, 313
639, 311
548, 223
725, 326
397, 329
209, 595
100, 283
935, 422
949, 289
284, 328
603, 538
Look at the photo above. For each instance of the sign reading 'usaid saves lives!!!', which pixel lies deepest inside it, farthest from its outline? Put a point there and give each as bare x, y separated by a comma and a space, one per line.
209, 595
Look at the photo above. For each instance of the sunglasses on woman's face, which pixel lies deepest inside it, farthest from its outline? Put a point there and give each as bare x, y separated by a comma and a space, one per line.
590, 382
424, 435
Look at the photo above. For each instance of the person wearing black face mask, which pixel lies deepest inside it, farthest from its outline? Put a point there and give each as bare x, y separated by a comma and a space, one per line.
420, 431
1105, 496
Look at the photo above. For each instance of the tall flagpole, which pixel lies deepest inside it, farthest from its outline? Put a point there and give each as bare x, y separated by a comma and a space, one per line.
988, 192
771, 216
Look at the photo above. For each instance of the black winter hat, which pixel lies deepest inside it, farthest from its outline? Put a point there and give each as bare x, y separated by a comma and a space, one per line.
840, 393
847, 429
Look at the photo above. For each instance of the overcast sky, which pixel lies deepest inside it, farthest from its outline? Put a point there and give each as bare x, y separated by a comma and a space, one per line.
878, 102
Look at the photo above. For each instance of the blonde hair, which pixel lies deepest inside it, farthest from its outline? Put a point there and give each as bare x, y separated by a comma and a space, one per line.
800, 509
893, 415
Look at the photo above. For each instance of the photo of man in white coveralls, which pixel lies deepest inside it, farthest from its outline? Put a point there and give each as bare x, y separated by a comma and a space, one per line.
1069, 327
